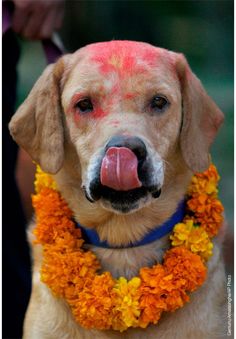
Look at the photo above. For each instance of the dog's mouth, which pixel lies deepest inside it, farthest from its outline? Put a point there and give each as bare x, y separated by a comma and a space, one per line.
121, 201
123, 178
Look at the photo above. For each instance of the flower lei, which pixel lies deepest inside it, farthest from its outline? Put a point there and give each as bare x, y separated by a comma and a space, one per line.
102, 302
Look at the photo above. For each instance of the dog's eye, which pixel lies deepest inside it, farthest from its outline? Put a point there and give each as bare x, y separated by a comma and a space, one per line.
84, 105
159, 103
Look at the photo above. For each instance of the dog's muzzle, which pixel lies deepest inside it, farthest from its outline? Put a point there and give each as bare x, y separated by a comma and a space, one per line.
125, 173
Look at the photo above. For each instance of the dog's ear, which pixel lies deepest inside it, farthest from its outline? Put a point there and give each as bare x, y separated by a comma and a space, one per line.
37, 125
201, 118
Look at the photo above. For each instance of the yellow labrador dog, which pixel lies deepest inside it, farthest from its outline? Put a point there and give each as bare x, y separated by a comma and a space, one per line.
122, 126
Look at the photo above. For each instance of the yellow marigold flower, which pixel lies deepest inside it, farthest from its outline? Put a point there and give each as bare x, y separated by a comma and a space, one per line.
126, 311
43, 180
192, 237
181, 233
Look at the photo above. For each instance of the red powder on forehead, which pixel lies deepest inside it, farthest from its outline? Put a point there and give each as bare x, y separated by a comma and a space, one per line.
116, 63
132, 47
123, 57
115, 88
128, 62
130, 96
151, 56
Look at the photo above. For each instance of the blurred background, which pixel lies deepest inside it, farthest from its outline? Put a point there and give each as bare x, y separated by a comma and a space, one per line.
202, 30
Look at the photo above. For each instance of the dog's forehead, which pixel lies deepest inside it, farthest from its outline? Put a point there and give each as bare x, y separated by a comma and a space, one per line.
125, 65
125, 56
121, 53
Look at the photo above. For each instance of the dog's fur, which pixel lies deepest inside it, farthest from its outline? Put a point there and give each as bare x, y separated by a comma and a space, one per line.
121, 78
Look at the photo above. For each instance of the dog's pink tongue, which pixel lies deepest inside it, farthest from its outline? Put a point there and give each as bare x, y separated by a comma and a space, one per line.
120, 169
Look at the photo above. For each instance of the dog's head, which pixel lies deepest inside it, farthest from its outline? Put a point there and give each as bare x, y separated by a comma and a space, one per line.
126, 109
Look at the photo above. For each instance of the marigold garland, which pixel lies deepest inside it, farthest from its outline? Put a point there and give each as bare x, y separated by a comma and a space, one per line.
102, 302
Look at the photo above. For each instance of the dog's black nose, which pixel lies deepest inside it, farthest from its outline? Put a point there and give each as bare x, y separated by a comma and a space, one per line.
135, 144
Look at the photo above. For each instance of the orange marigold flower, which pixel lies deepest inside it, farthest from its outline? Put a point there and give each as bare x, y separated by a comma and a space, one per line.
210, 225
93, 308
164, 287
63, 268
205, 182
53, 216
207, 212
185, 266
151, 303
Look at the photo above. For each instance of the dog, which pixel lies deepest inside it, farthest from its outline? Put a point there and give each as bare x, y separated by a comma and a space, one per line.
122, 126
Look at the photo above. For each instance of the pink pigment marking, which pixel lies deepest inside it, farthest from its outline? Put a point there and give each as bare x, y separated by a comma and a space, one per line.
130, 96
122, 56
97, 113
132, 57
76, 118
150, 56
126, 67
115, 89
128, 63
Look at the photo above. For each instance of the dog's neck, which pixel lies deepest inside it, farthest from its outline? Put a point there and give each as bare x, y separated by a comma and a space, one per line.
91, 237
145, 252
127, 262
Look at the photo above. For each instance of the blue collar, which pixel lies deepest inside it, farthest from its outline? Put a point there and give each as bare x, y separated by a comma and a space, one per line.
90, 236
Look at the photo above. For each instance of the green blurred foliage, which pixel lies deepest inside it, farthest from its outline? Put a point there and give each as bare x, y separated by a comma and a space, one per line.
202, 30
